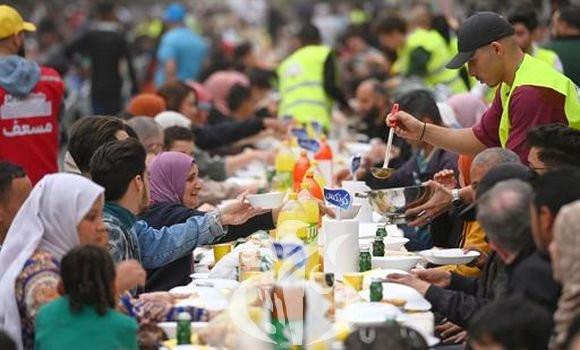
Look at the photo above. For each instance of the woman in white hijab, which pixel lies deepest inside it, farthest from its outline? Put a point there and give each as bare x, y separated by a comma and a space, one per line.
62, 211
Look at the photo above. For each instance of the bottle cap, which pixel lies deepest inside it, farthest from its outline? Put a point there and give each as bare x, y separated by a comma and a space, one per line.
183, 316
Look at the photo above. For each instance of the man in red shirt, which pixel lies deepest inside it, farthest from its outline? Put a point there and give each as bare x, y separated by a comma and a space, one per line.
30, 102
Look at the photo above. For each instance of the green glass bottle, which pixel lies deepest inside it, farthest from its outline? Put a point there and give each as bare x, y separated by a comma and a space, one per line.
376, 290
365, 261
183, 328
381, 232
378, 247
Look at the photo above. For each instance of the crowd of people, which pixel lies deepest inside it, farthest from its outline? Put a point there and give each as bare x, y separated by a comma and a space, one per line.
103, 200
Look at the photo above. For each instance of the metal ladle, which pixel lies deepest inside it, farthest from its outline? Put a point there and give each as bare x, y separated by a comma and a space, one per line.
385, 172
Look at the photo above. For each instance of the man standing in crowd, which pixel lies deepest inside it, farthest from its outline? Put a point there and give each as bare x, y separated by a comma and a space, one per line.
566, 42
181, 51
105, 45
421, 52
529, 93
30, 102
525, 22
308, 81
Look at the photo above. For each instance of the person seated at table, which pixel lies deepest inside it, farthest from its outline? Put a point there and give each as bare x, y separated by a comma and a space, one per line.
553, 146
86, 309
175, 185
62, 212
458, 298
391, 335
564, 253
466, 231
15, 186
149, 133
181, 98
572, 341
510, 323
6, 343
119, 166
87, 134
214, 170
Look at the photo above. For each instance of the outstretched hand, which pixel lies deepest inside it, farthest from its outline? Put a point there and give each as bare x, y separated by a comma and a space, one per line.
405, 125
239, 211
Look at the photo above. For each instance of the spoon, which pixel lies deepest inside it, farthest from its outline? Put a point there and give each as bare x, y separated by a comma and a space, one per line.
385, 172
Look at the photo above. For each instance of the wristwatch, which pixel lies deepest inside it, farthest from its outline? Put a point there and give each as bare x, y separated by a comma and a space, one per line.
456, 200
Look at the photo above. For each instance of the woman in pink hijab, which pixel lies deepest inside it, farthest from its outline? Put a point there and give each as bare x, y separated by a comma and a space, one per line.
219, 84
175, 185
468, 109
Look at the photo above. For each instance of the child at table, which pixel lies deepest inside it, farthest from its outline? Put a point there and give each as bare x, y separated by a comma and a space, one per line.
85, 316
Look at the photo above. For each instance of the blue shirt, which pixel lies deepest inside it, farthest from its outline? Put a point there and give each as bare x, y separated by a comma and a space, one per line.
186, 48
130, 238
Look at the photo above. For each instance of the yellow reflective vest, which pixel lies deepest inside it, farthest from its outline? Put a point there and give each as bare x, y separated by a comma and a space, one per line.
301, 86
537, 73
548, 56
441, 54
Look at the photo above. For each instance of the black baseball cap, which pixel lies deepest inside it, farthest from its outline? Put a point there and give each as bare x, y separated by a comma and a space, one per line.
477, 31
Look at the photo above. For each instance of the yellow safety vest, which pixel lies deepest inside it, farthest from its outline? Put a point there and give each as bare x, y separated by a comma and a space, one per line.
301, 86
546, 55
537, 73
441, 54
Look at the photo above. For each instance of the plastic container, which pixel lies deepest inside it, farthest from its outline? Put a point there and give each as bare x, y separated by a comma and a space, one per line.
324, 156
317, 172
300, 168
292, 219
284, 165
313, 186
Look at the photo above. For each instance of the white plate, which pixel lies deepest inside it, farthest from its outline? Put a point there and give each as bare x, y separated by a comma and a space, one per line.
367, 314
454, 256
207, 298
415, 301
354, 148
170, 328
382, 273
398, 262
216, 283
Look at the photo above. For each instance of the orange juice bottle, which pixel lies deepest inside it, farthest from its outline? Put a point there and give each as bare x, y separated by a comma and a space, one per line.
300, 168
324, 158
313, 186
318, 177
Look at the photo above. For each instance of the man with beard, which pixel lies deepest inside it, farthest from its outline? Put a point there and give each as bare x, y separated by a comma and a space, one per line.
372, 103
30, 102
